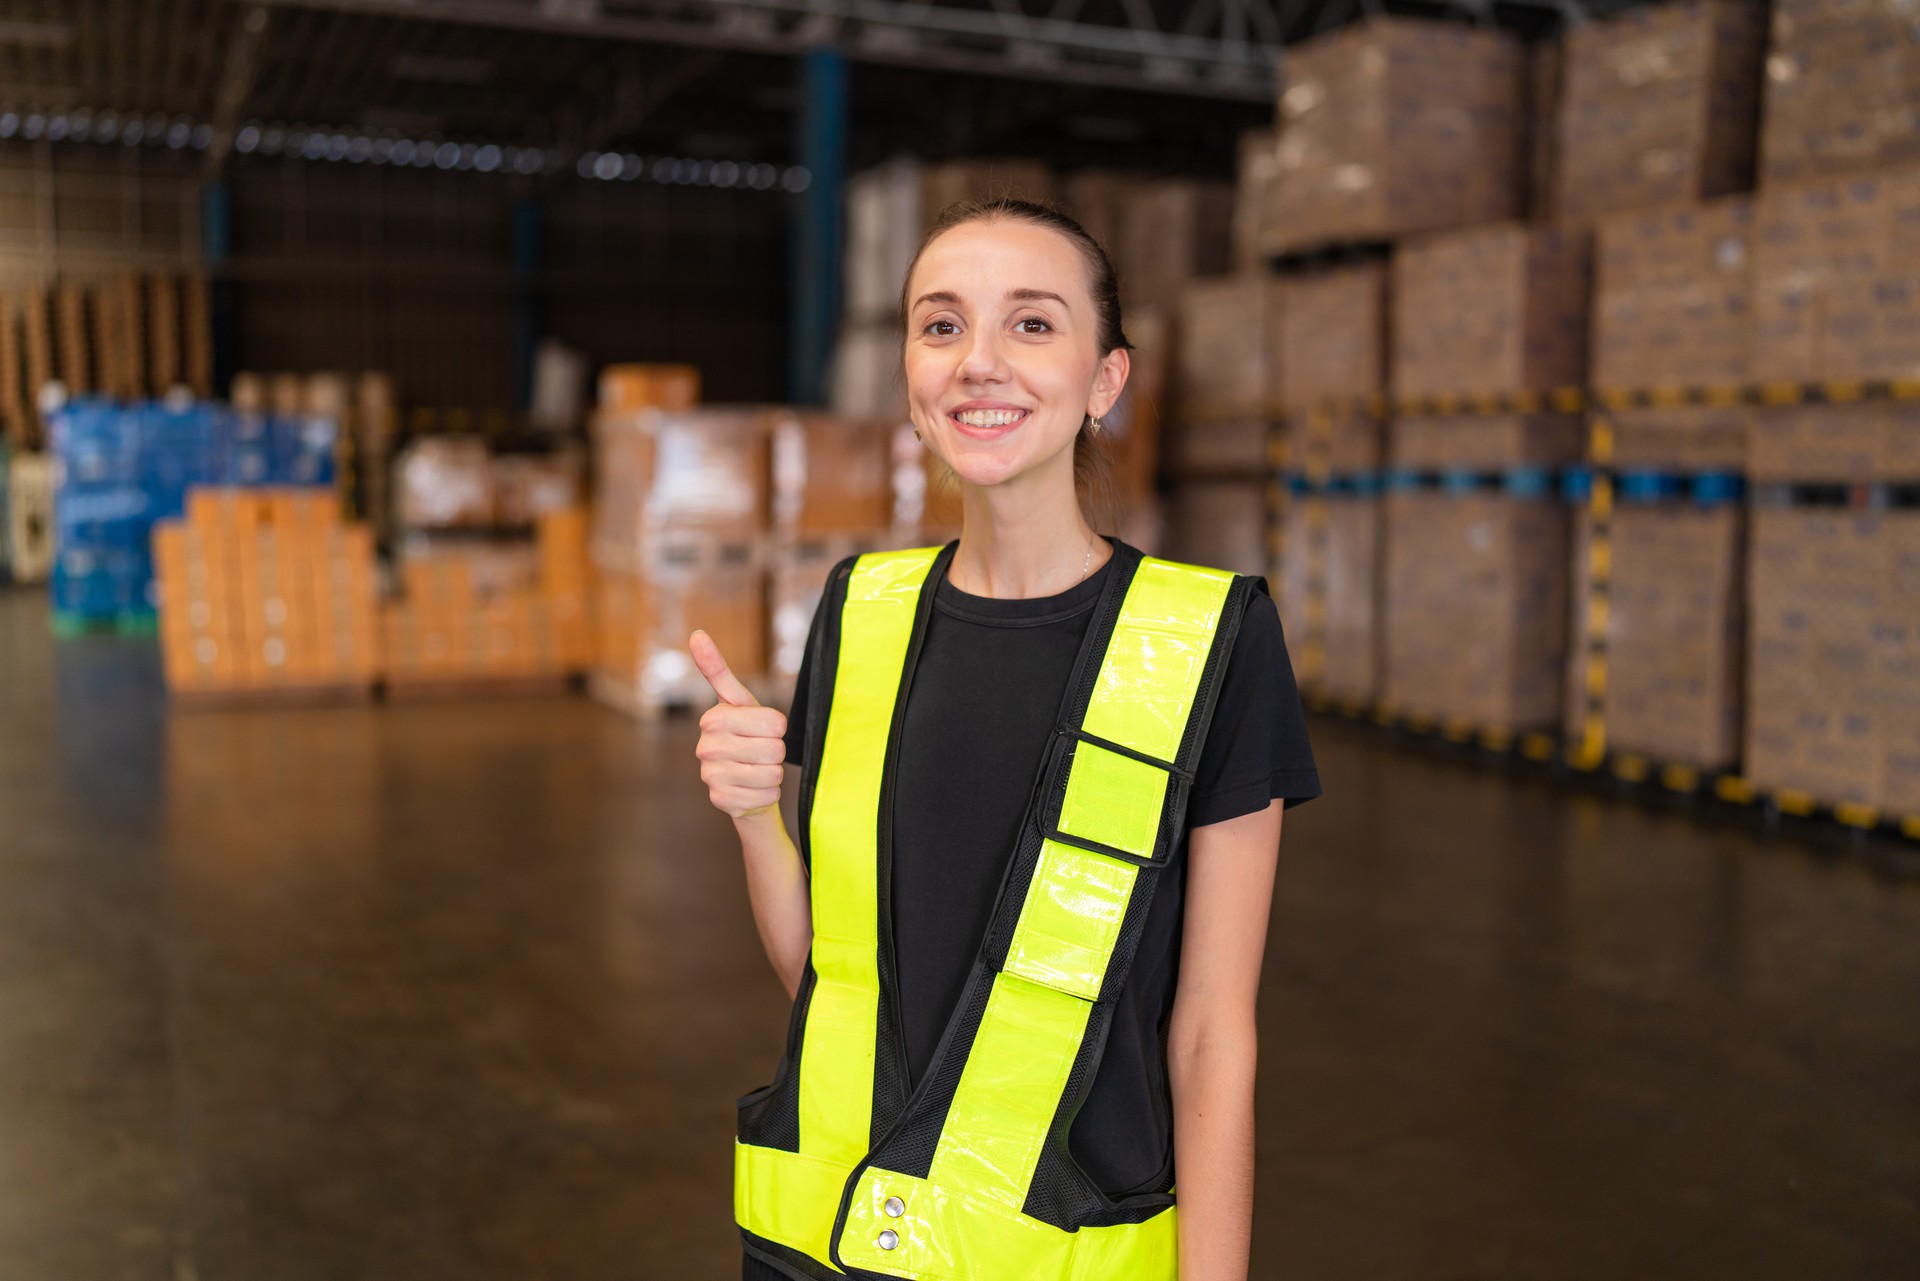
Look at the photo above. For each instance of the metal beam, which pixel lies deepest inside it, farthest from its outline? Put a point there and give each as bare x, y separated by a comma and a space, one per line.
886, 31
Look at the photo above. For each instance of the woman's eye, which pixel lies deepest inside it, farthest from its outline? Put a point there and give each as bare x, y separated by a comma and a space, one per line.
1034, 325
940, 328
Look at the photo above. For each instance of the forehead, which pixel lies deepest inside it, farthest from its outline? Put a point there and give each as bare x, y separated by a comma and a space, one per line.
982, 260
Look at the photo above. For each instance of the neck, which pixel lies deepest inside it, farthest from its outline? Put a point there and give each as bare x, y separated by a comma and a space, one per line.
1022, 541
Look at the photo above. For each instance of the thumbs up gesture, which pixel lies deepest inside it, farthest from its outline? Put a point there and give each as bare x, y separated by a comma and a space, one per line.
742, 745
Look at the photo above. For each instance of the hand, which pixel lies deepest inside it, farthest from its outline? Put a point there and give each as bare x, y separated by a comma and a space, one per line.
742, 747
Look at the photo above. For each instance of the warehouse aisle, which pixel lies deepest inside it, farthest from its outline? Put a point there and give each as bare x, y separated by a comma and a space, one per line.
464, 990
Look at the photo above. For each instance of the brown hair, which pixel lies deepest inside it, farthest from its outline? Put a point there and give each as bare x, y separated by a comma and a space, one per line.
1092, 470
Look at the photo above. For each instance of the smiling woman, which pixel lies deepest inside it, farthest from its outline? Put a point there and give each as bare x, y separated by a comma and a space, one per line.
1041, 786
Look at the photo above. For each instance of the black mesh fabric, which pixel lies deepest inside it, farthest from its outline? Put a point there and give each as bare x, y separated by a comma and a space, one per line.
772, 1119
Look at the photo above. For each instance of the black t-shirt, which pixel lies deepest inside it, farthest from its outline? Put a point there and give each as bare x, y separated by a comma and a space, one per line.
985, 697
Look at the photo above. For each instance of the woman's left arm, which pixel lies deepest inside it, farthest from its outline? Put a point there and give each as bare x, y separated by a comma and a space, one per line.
1212, 1045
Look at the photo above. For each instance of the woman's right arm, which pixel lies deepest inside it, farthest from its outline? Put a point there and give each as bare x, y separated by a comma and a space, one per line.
742, 753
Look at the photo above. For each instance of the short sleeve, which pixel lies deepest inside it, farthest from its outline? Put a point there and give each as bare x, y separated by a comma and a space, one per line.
1257, 748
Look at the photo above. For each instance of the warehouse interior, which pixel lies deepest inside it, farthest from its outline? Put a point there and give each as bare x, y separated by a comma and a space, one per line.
389, 387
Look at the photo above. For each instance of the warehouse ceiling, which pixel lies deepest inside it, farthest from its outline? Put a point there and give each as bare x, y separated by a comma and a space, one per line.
1138, 83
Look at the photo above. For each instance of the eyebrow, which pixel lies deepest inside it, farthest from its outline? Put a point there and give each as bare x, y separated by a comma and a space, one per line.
1018, 295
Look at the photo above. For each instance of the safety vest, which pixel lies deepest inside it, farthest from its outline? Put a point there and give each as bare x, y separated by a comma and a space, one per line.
839, 1168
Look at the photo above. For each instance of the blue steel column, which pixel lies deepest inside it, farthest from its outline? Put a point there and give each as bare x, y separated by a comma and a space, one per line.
216, 246
526, 302
818, 214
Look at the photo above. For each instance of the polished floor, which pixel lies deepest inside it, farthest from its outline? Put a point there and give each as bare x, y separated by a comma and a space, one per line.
465, 991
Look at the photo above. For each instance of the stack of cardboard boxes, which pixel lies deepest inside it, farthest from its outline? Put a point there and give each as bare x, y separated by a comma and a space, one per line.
1833, 695
1659, 107
678, 543
1393, 126
1333, 344
1476, 578
477, 617
1839, 93
266, 590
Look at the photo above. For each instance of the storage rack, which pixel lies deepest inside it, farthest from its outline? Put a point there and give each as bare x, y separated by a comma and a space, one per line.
1597, 486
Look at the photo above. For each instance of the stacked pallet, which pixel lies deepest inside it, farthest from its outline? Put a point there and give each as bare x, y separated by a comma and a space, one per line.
1333, 344
266, 592
491, 617
678, 543
1477, 538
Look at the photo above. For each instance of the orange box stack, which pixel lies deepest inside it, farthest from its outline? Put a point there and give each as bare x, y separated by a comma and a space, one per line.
266, 590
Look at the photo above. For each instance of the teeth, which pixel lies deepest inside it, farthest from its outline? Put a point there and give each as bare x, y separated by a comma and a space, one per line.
989, 417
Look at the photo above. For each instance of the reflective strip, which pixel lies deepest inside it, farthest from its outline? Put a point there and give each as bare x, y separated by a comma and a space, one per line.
1071, 919
946, 1235
788, 1197
837, 1049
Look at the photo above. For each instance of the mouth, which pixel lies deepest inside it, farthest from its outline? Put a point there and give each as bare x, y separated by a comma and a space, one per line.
987, 424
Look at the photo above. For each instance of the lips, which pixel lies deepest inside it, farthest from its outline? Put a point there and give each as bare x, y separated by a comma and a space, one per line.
990, 423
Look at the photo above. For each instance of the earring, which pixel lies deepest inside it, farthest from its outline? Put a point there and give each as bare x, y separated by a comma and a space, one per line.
1093, 423
916, 433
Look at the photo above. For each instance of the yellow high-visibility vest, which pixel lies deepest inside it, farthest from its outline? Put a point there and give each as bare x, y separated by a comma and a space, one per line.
838, 1169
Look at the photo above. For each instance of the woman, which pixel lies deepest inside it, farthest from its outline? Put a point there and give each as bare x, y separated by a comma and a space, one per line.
1041, 789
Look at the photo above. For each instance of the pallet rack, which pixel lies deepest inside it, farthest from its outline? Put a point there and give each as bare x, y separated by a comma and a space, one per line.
1598, 485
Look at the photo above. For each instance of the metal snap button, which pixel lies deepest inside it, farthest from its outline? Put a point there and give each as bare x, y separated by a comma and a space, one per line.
894, 1207
889, 1239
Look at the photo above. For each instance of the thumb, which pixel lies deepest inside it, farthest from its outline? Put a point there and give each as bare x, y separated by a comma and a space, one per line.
706, 656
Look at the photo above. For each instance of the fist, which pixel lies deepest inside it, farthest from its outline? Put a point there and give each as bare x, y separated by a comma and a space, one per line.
742, 749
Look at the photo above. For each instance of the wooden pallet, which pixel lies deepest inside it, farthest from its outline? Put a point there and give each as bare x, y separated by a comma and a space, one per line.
163, 332
271, 696
196, 323
407, 689
15, 416
74, 356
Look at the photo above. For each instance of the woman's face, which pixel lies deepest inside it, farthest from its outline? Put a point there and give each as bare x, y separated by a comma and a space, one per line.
1002, 350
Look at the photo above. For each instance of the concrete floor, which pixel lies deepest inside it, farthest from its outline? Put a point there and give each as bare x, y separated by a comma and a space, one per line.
466, 990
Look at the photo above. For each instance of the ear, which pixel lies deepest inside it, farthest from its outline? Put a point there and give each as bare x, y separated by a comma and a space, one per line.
1108, 380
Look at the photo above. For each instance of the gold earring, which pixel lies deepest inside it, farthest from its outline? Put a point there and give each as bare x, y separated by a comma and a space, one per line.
1093, 423
916, 433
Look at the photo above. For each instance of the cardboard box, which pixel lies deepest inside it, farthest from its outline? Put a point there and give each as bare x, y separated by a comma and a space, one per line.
869, 379
1229, 350
1255, 174
884, 227
1659, 106
1339, 446
1330, 593
830, 474
1475, 604
1486, 442
630, 388
945, 184
1817, 721
1391, 126
1173, 231
1837, 279
1837, 444
1674, 633
1333, 335
704, 469
1220, 523
1686, 439
1237, 446
1839, 91
1096, 199
1673, 298
1496, 310
645, 617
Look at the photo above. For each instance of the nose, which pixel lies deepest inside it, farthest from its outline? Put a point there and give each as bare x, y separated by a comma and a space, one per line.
984, 360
